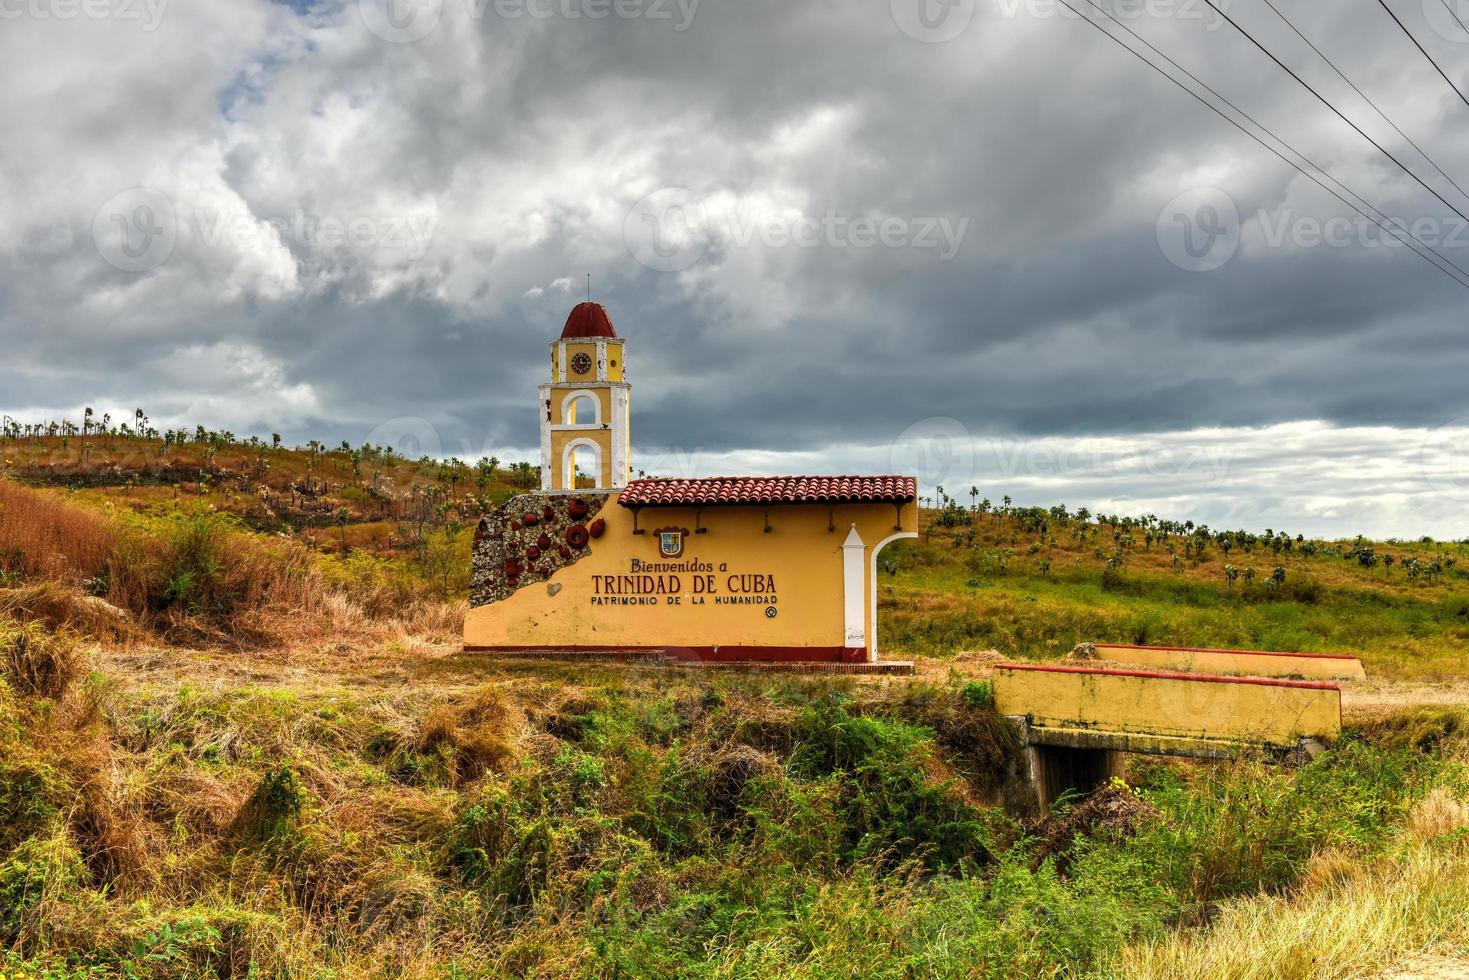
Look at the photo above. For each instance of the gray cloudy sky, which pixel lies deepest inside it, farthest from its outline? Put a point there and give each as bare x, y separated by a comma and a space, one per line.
972, 239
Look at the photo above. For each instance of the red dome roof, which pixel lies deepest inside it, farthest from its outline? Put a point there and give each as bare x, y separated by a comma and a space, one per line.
588, 320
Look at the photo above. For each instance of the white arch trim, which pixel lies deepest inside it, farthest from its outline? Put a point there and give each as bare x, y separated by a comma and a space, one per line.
568, 468
575, 394
872, 626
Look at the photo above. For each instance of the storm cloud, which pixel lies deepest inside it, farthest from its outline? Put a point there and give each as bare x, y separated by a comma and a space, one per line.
836, 234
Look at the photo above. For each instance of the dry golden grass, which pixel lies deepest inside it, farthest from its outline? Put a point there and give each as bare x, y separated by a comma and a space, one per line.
193, 579
44, 537
1349, 920
1438, 814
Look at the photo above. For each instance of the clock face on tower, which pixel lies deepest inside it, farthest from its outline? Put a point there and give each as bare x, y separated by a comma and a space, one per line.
581, 363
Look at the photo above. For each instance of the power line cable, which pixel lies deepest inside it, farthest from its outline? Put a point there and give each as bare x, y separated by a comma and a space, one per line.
1454, 14
1263, 128
1448, 268
1324, 101
1366, 98
1420, 47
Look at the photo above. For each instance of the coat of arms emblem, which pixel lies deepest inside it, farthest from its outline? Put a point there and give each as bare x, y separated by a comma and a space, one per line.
670, 541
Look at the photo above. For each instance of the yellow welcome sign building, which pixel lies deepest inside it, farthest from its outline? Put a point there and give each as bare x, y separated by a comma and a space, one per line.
761, 569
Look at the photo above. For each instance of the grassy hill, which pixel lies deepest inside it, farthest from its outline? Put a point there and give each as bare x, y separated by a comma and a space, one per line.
237, 738
1033, 583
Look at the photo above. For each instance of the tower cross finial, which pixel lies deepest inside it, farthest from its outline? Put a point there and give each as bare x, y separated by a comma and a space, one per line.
589, 287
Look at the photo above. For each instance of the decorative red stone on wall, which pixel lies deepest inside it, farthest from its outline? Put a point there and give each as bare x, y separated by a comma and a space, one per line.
531, 538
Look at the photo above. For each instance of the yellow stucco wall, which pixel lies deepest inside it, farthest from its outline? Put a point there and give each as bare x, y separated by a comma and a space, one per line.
614, 360
1271, 713
559, 440
798, 564
1241, 662
560, 396
615, 365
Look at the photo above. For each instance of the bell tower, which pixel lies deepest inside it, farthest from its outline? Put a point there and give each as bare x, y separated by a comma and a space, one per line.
584, 410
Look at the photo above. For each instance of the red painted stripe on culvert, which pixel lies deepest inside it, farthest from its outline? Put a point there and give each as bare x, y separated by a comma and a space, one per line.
1248, 653
1169, 676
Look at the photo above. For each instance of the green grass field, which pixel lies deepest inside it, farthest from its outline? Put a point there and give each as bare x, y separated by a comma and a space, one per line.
243, 744
1012, 588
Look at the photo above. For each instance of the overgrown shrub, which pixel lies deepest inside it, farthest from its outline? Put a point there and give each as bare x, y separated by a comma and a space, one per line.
273, 810
889, 802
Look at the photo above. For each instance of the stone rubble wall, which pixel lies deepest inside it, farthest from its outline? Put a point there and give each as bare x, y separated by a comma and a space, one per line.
528, 538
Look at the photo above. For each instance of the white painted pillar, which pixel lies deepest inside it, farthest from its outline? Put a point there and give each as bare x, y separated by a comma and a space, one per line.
872, 647
854, 596
546, 461
620, 436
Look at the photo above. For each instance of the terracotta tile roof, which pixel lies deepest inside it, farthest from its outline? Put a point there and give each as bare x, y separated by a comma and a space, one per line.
588, 320
729, 490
